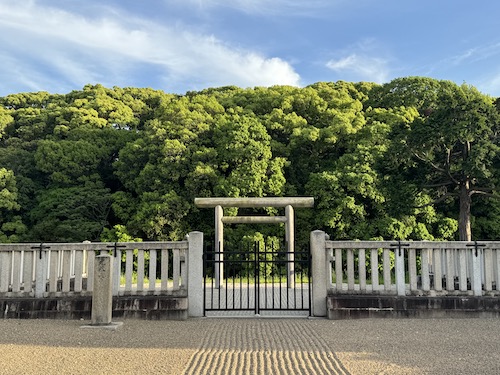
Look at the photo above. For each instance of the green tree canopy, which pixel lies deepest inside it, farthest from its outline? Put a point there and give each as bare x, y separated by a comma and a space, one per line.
451, 147
403, 160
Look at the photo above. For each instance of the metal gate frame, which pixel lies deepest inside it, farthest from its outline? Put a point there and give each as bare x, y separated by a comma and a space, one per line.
250, 281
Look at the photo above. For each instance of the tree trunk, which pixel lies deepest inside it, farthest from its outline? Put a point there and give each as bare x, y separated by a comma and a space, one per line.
464, 231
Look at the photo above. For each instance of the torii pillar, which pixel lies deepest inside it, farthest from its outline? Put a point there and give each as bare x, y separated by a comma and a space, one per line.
290, 243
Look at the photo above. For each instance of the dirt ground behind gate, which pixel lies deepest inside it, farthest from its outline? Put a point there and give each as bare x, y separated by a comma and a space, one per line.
252, 346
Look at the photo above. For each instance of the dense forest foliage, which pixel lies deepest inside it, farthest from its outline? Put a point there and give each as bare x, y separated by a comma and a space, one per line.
415, 158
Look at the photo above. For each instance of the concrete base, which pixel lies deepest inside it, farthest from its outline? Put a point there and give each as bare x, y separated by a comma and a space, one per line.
111, 326
357, 307
139, 307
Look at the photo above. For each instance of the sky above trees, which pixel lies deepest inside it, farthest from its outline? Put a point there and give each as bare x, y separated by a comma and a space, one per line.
183, 45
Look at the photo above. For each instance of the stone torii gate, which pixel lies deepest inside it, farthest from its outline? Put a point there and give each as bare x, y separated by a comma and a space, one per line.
289, 203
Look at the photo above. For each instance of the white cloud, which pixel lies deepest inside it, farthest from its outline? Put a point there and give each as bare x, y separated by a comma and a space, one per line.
268, 7
112, 45
361, 67
217, 63
463, 57
24, 75
477, 54
490, 85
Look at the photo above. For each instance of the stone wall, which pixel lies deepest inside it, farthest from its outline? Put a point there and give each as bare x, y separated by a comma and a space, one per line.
363, 306
141, 307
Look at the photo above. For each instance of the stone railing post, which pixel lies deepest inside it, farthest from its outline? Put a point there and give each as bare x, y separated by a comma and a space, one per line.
195, 274
4, 271
319, 274
477, 287
102, 295
41, 273
400, 271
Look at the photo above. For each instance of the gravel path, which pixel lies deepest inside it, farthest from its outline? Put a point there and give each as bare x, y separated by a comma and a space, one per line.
265, 346
253, 346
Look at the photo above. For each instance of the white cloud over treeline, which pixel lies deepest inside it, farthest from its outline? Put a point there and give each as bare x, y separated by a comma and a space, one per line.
48, 47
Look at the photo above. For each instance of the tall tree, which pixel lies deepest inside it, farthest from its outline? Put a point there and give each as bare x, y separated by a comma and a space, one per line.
451, 147
11, 226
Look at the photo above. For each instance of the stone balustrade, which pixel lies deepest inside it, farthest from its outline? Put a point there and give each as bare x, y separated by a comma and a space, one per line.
343, 272
59, 269
403, 277
414, 267
149, 279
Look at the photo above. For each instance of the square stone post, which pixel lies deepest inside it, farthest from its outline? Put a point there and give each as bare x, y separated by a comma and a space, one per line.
102, 295
41, 273
5, 261
477, 287
195, 274
400, 270
319, 274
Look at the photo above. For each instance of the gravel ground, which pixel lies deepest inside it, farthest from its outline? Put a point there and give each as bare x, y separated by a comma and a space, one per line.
253, 346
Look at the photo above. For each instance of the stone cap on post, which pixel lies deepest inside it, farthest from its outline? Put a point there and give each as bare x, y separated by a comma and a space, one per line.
298, 202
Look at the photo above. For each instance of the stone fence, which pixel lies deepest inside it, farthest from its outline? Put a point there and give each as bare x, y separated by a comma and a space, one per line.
410, 278
158, 280
149, 279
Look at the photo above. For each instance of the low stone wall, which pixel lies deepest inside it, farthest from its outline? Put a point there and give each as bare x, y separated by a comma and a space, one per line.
141, 307
357, 306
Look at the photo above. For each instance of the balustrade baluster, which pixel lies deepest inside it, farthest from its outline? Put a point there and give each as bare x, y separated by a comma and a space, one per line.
117, 271
66, 271
152, 270
450, 270
362, 269
497, 273
374, 269
329, 268
488, 269
438, 275
90, 270
426, 257
184, 269
386, 264
412, 268
350, 270
339, 275
28, 272
129, 268
16, 271
5, 262
78, 271
164, 269
53, 270
140, 270
462, 280
176, 269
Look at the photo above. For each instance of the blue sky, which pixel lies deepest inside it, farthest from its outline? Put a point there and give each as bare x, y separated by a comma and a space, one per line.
184, 45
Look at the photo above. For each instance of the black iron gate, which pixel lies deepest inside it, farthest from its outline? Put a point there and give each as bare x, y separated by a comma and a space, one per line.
257, 279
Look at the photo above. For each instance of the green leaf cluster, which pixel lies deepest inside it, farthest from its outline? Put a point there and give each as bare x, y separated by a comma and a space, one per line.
390, 161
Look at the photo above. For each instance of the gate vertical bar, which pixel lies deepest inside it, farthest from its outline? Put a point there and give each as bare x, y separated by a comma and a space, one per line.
275, 259
248, 267
309, 277
205, 266
256, 277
